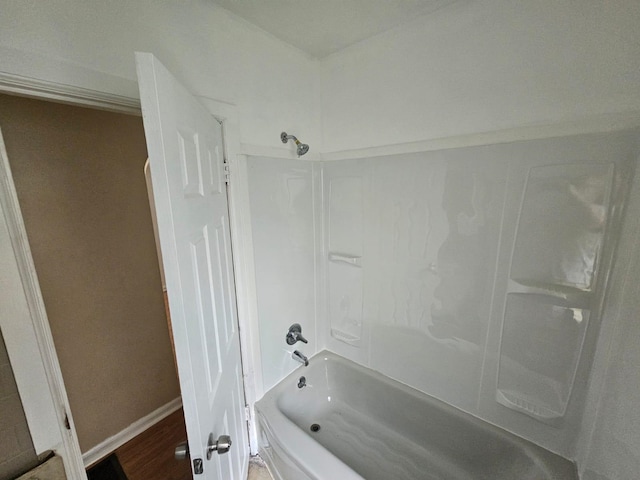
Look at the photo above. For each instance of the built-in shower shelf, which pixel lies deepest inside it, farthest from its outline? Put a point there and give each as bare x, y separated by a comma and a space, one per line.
550, 291
568, 296
345, 337
515, 401
353, 260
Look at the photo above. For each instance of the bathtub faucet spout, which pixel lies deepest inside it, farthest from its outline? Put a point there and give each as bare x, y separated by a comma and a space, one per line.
300, 357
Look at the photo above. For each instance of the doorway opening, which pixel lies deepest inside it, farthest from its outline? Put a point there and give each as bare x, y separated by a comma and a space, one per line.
80, 182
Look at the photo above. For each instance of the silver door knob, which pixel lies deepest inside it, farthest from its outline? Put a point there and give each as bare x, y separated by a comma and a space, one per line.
222, 445
182, 451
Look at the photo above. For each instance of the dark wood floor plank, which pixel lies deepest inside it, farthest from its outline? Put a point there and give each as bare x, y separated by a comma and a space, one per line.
149, 456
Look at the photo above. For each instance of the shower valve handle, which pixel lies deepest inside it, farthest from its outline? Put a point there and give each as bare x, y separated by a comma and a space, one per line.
295, 334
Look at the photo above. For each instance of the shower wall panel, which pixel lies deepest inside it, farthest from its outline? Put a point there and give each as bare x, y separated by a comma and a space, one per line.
345, 228
431, 233
452, 304
281, 195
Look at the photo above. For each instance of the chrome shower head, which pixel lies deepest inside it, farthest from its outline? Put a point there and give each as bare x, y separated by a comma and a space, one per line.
301, 149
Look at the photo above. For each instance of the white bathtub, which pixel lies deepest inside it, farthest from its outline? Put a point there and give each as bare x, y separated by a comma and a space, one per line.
374, 428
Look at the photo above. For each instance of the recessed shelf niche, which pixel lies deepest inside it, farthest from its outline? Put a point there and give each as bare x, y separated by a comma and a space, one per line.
560, 233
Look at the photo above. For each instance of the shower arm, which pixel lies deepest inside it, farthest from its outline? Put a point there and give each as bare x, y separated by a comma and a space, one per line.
285, 138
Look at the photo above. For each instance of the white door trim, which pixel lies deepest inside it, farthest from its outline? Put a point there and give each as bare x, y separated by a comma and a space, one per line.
239, 213
42, 368
59, 92
243, 263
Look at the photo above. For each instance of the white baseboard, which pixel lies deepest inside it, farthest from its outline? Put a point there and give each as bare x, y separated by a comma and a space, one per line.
136, 428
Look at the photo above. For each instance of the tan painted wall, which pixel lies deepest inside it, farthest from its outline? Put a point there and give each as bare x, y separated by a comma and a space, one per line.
80, 182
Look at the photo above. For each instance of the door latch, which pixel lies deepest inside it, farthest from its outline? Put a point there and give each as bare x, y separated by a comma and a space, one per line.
198, 467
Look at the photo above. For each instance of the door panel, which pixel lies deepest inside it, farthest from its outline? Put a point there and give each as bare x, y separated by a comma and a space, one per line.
187, 171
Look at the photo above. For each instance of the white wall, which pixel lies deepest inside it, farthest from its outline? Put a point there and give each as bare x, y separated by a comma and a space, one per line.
480, 66
429, 300
609, 442
215, 54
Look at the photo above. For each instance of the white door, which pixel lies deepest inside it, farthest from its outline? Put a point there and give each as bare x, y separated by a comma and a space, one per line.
187, 169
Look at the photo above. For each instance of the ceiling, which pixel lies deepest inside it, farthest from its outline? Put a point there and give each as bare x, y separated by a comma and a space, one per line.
322, 27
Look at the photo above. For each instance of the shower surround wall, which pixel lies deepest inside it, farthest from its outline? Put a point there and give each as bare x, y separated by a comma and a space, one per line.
284, 228
472, 274
404, 264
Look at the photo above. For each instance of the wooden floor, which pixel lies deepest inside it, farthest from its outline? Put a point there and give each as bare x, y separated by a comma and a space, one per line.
149, 456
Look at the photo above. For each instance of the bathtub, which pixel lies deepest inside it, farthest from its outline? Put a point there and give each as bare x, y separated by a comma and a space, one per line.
351, 423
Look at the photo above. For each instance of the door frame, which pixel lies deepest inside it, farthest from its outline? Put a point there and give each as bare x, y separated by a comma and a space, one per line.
240, 230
